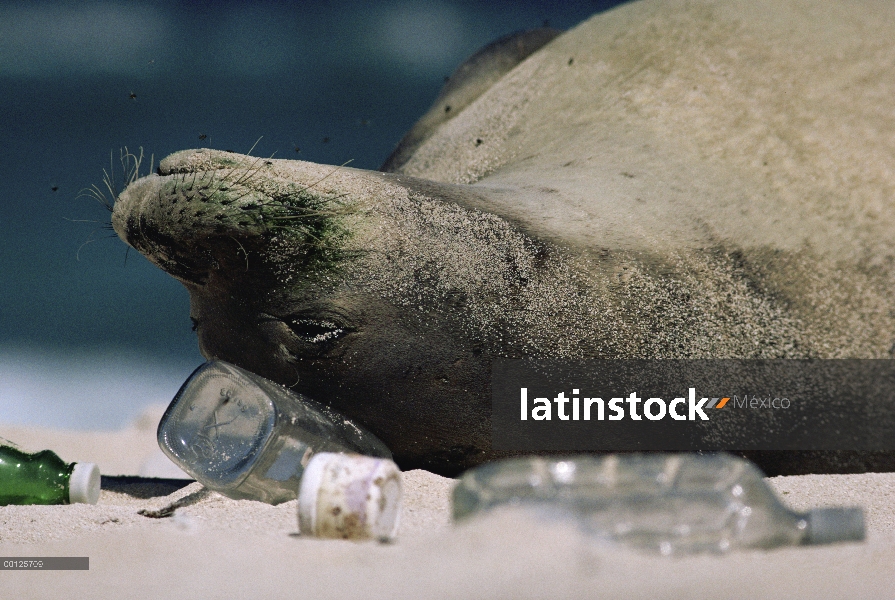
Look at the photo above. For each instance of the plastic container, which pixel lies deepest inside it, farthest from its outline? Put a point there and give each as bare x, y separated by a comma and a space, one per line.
44, 478
667, 503
348, 496
249, 438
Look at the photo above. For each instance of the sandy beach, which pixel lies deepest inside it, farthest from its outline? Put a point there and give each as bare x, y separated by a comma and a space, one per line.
215, 547
713, 179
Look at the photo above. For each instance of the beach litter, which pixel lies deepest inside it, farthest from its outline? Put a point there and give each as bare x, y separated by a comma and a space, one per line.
670, 504
44, 478
349, 496
247, 437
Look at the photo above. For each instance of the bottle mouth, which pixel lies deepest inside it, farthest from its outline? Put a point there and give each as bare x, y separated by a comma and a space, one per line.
831, 525
218, 425
84, 484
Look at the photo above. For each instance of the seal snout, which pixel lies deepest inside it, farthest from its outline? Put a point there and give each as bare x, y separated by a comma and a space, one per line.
177, 219
215, 211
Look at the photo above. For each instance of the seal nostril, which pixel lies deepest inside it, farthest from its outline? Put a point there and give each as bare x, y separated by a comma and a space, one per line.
316, 332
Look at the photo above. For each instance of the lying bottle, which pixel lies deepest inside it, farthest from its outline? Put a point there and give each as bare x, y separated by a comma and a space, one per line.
44, 478
667, 503
249, 438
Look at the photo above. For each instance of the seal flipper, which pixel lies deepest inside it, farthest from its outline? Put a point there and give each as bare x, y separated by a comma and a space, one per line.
469, 81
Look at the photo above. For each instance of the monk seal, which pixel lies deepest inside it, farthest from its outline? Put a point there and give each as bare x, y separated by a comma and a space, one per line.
669, 179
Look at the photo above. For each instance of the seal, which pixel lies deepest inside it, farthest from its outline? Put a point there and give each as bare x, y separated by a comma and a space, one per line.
669, 179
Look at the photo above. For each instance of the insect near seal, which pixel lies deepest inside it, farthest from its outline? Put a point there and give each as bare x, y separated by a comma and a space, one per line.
704, 179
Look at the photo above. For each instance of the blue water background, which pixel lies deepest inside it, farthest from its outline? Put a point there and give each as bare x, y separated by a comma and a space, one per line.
90, 334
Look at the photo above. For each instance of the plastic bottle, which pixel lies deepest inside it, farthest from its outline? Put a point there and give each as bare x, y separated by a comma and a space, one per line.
249, 438
668, 503
44, 478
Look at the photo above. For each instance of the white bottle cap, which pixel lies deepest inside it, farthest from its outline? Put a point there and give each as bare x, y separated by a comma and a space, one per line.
349, 496
83, 485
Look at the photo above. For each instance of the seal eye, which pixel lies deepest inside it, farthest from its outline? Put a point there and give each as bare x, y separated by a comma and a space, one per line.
316, 332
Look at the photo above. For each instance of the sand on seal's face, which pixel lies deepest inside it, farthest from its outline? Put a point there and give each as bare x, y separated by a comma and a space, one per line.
692, 124
706, 179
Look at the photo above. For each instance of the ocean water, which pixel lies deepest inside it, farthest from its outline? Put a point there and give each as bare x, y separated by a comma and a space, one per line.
89, 331
85, 390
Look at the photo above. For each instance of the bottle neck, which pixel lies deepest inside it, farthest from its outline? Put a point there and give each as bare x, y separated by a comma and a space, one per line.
829, 525
40, 478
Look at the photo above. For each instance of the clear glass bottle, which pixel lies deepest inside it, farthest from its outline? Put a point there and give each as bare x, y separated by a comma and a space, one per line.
44, 478
249, 438
667, 503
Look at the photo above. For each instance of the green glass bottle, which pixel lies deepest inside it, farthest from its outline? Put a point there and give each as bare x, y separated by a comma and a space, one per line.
44, 478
